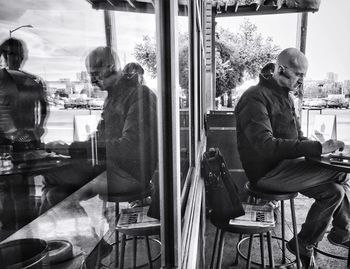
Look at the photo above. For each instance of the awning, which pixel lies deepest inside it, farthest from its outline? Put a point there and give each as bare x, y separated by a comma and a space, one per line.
222, 8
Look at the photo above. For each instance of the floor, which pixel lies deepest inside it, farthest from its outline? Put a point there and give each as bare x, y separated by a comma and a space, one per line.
104, 258
103, 255
302, 204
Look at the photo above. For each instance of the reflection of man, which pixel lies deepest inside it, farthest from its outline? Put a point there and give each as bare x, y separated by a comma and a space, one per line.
23, 110
26, 103
126, 135
129, 124
272, 148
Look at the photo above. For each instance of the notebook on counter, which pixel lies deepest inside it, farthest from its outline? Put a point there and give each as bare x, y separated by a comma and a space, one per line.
341, 157
36, 155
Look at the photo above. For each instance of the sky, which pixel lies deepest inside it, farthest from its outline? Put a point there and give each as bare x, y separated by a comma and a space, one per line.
64, 31
328, 36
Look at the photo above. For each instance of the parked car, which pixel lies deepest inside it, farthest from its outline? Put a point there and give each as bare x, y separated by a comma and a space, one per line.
314, 103
337, 103
76, 103
69, 104
96, 103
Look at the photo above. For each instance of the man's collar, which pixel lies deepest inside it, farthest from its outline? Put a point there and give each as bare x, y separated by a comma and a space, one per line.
271, 83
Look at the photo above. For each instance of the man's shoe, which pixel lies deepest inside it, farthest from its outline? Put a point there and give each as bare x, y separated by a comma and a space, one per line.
304, 250
306, 253
334, 240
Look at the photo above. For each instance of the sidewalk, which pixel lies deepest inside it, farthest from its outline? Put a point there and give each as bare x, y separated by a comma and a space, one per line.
302, 204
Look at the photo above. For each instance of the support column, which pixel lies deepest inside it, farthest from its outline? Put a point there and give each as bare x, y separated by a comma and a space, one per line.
301, 45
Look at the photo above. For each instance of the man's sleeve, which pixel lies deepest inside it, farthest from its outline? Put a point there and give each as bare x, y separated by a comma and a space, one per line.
254, 118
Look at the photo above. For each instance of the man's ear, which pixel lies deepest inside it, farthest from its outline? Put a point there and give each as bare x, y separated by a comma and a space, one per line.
281, 70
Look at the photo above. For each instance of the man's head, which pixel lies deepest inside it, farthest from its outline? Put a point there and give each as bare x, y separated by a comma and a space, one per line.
291, 68
103, 66
14, 52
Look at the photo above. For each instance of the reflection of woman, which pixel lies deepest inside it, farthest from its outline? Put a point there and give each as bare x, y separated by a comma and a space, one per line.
29, 108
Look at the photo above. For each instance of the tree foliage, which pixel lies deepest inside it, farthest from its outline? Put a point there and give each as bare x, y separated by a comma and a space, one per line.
145, 54
238, 56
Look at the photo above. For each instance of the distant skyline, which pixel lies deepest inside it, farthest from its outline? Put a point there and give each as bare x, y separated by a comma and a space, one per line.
60, 38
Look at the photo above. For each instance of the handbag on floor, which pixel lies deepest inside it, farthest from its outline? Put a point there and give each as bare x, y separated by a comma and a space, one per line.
221, 190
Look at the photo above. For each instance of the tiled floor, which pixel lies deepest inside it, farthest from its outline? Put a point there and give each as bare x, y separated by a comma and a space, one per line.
302, 205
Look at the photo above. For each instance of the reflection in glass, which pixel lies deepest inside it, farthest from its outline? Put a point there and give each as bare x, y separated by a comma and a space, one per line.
183, 89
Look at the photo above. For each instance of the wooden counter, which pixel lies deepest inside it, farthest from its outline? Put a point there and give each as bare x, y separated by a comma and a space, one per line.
79, 220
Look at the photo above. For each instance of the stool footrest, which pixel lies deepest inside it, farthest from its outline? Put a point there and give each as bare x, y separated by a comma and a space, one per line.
285, 265
330, 254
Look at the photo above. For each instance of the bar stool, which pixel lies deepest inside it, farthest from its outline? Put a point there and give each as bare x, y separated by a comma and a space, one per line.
223, 227
278, 196
119, 198
136, 233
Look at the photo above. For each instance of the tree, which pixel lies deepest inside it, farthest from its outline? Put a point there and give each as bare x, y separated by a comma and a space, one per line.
237, 56
145, 54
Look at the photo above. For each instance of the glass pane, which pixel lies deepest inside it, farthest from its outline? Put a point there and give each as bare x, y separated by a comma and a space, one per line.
44, 86
78, 124
183, 88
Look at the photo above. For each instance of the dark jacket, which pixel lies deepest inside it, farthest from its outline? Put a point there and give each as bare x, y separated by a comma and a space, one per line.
268, 130
129, 128
23, 106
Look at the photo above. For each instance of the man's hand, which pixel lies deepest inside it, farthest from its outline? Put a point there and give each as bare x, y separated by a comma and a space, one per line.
332, 145
59, 147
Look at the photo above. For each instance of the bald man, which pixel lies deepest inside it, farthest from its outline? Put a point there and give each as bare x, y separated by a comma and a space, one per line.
129, 125
272, 150
126, 135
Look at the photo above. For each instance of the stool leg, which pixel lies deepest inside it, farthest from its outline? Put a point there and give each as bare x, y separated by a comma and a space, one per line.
295, 231
237, 256
122, 251
283, 228
116, 236
148, 252
217, 235
262, 252
348, 259
270, 250
249, 258
221, 250
134, 251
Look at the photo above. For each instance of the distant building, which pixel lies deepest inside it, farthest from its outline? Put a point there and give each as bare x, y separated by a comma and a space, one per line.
331, 77
346, 87
314, 89
82, 76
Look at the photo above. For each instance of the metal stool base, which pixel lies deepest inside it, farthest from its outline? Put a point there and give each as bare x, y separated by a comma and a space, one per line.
281, 266
150, 239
